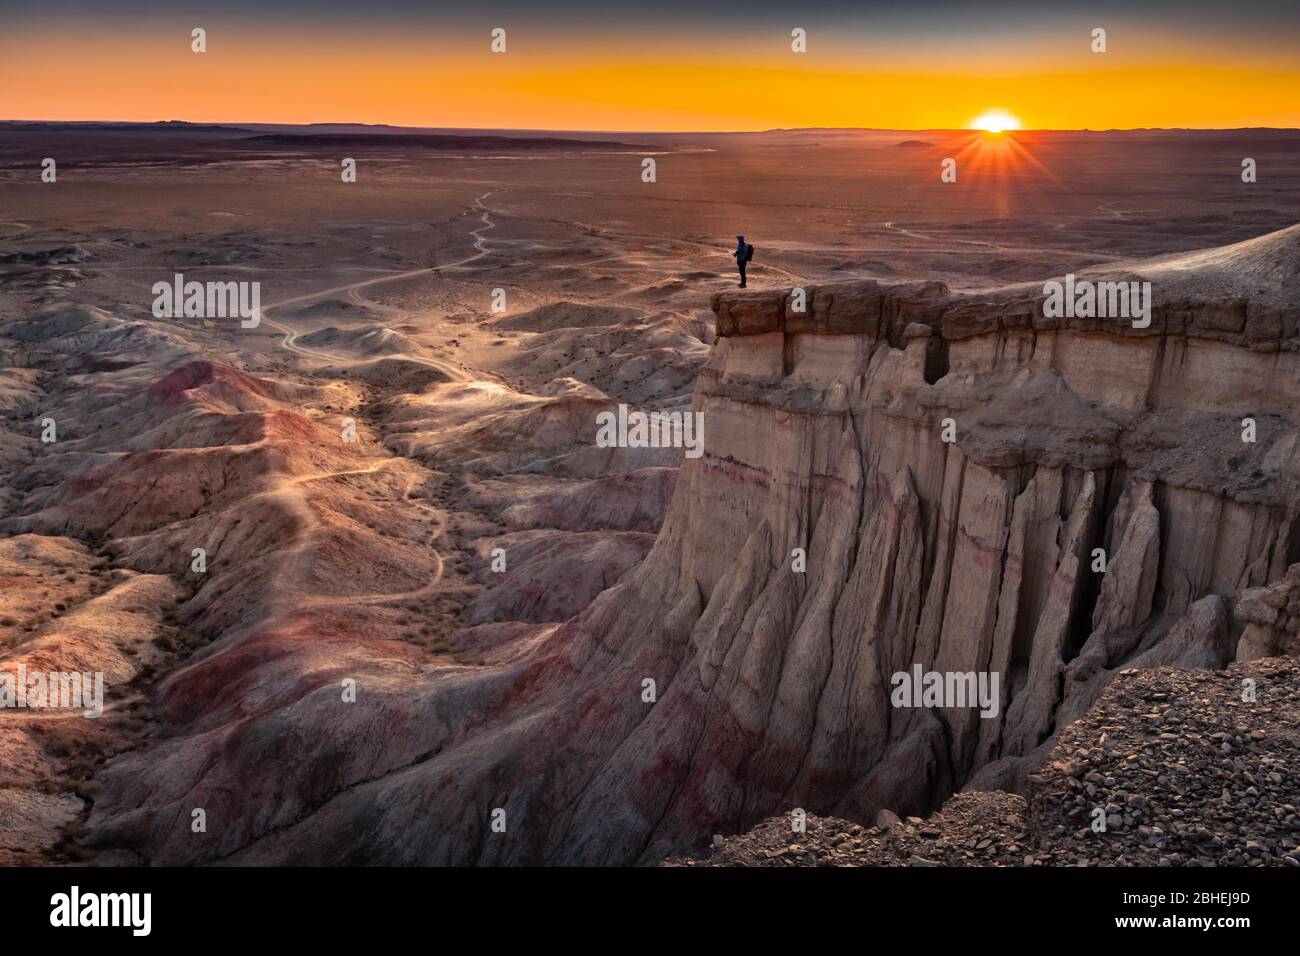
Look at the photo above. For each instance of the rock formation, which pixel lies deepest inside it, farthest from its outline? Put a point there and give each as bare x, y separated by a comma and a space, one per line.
829, 537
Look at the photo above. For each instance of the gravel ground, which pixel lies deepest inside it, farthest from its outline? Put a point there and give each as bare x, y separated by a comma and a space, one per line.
1183, 770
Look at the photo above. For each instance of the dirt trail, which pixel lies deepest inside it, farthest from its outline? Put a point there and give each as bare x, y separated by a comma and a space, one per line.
352, 291
454, 372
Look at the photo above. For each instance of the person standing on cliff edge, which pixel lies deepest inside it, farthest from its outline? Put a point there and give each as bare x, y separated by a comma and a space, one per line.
744, 252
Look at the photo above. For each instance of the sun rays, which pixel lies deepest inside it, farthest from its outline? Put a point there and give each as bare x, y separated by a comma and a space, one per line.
1000, 160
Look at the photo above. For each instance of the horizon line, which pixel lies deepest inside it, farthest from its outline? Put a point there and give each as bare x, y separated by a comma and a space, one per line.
656, 132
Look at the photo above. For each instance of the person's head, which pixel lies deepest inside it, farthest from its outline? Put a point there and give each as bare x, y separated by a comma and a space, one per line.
740, 238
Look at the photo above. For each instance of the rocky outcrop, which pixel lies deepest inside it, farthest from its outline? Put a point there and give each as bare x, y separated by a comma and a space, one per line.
1271, 618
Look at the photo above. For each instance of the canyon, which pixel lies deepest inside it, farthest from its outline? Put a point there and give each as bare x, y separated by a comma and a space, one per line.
773, 685
679, 645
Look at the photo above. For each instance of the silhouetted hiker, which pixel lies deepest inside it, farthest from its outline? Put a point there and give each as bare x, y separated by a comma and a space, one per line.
744, 252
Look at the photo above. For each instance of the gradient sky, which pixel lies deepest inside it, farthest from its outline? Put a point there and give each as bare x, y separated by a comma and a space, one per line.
655, 65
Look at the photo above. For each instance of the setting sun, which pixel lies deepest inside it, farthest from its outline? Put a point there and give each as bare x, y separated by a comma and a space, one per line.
995, 121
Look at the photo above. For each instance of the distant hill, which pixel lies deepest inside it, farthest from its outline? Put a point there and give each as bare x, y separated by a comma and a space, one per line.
434, 141
99, 126
318, 135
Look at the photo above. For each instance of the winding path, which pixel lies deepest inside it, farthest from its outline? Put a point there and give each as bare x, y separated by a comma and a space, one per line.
892, 226
352, 291
290, 342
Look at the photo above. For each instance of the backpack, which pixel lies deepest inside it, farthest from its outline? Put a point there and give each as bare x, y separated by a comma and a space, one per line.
749, 253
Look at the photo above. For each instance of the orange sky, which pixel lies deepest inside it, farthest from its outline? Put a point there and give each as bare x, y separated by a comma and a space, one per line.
649, 82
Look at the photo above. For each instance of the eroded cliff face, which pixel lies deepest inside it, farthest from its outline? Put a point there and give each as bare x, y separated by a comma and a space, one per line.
978, 554
824, 435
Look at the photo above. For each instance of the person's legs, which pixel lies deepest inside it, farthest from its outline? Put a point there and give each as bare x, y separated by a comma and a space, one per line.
740, 264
